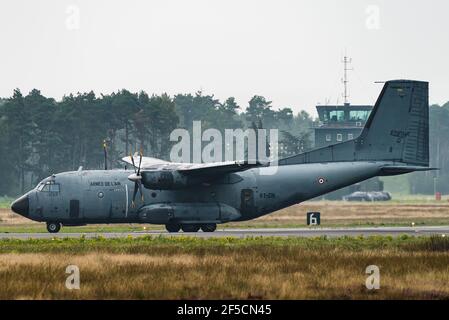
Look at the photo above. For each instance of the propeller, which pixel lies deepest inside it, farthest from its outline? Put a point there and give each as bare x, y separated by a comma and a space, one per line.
137, 179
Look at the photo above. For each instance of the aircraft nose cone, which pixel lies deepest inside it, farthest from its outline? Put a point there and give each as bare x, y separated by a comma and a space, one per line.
21, 206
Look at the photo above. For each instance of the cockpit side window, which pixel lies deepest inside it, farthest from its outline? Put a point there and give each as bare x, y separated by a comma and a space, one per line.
54, 187
49, 186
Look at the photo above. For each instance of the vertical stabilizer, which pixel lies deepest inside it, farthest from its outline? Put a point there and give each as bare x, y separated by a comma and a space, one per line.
397, 130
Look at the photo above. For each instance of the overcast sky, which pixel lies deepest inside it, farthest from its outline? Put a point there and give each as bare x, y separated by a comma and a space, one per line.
288, 51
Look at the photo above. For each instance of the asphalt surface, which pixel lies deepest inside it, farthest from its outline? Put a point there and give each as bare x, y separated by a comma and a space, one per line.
242, 233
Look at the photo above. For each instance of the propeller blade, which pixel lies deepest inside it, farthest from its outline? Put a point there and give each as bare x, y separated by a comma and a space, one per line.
136, 186
140, 162
136, 178
132, 160
141, 192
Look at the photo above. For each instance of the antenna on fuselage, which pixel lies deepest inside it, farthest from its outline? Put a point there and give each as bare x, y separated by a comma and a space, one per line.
105, 155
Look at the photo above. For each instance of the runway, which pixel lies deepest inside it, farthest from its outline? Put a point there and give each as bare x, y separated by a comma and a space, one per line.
243, 233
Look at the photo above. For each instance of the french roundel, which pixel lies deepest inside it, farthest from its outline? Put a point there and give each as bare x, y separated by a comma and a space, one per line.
321, 180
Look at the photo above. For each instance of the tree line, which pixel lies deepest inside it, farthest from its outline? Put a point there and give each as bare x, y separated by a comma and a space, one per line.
435, 181
40, 136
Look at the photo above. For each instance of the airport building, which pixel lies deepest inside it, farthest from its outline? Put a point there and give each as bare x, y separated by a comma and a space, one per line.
339, 123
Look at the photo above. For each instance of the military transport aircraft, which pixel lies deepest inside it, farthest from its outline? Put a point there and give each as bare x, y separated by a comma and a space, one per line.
395, 140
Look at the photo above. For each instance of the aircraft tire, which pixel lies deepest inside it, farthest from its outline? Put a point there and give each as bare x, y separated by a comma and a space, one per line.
190, 227
53, 227
173, 227
210, 227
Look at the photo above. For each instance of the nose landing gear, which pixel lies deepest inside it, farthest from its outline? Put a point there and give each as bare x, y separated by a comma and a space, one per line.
53, 227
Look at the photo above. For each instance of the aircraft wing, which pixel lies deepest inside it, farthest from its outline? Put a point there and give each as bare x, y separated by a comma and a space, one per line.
213, 168
216, 168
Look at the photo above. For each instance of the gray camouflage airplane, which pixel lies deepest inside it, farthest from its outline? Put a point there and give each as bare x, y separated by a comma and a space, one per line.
395, 140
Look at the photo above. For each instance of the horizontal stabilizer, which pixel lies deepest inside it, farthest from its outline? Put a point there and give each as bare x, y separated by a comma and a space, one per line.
396, 170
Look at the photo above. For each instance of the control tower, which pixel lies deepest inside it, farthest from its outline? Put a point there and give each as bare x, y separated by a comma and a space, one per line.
339, 123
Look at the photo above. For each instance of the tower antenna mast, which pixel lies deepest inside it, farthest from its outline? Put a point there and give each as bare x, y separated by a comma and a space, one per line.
346, 61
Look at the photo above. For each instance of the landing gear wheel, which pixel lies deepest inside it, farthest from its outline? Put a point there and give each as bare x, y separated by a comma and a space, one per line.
173, 227
210, 227
190, 227
53, 227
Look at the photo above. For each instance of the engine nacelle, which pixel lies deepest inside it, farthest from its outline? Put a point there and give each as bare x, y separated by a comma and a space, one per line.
191, 212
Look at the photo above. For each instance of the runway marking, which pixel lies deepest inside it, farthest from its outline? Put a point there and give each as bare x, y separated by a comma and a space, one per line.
243, 233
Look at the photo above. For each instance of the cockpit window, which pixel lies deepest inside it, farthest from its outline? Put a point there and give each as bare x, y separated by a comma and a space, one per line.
49, 186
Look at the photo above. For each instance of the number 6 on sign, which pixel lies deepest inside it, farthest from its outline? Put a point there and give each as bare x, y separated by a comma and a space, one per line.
313, 218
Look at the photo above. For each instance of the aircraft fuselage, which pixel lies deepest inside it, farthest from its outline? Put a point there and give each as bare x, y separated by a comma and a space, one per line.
104, 196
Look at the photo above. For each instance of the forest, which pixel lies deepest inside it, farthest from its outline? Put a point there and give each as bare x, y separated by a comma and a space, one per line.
40, 136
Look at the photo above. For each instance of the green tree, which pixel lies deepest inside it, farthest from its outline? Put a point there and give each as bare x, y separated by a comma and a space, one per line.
43, 137
154, 122
18, 122
428, 182
259, 109
124, 105
227, 116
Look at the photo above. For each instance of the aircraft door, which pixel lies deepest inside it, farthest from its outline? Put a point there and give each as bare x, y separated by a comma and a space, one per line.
96, 204
74, 209
247, 201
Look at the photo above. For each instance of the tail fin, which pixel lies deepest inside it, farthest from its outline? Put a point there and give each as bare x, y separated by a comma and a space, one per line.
398, 127
397, 130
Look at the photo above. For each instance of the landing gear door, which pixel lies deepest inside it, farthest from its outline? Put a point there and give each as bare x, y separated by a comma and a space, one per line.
247, 201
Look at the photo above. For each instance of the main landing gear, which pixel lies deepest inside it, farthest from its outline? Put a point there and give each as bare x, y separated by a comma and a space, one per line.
53, 227
175, 227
